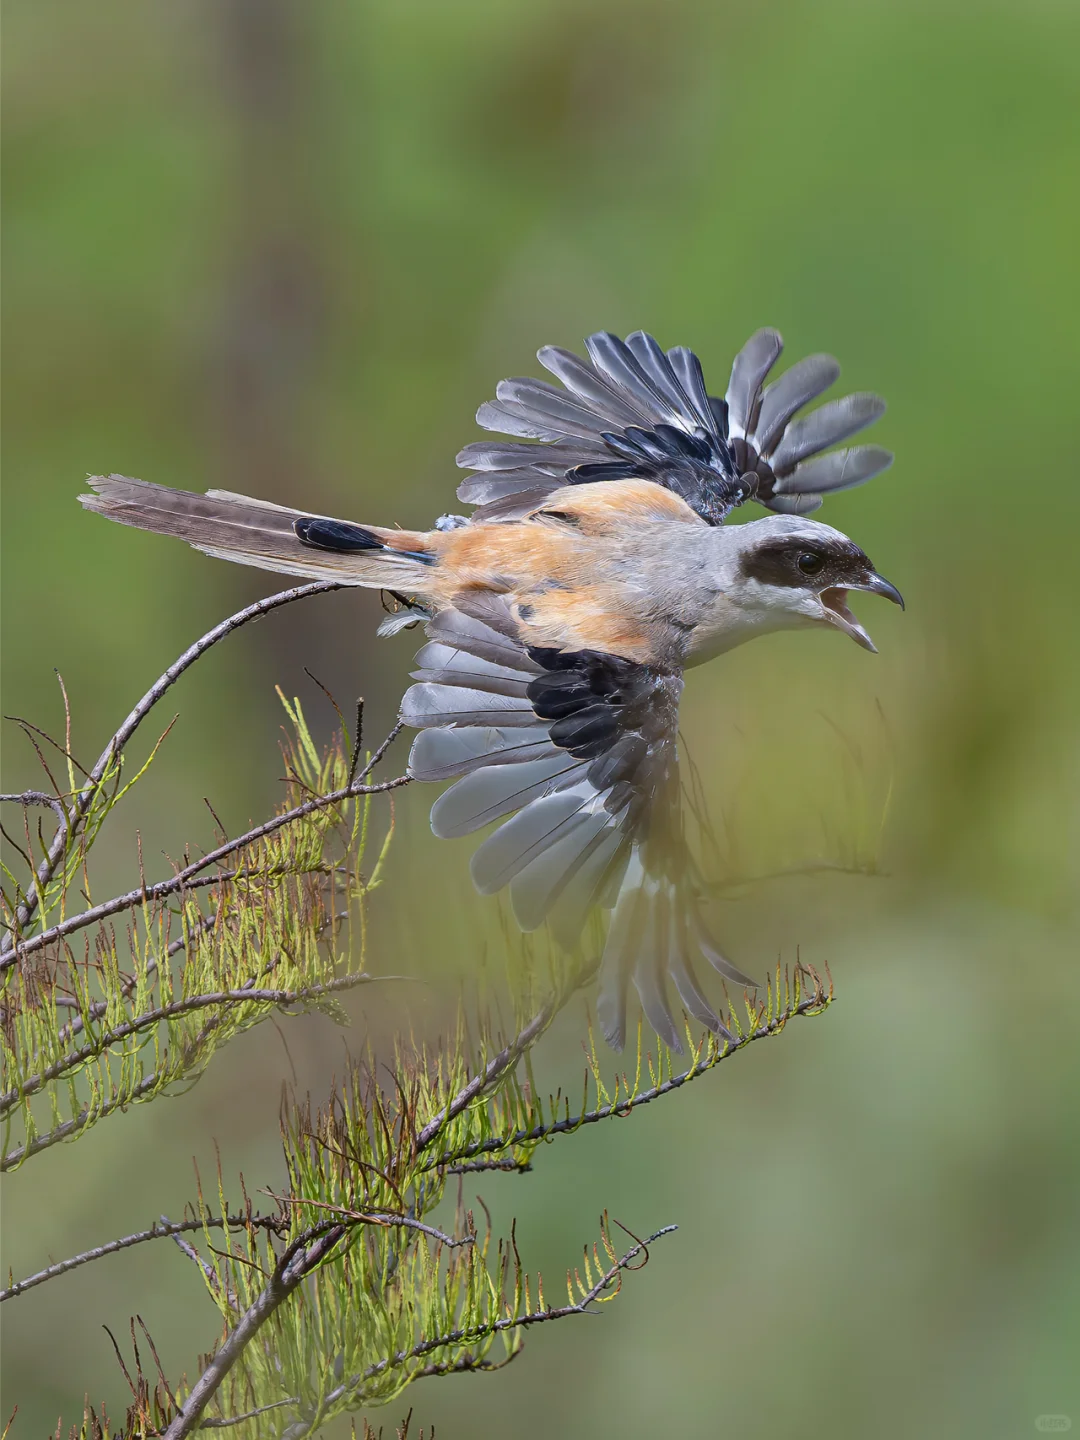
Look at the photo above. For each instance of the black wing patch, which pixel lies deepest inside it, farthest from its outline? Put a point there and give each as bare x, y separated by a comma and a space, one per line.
635, 411
580, 751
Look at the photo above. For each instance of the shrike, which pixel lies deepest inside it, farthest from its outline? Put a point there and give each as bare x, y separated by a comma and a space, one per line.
562, 614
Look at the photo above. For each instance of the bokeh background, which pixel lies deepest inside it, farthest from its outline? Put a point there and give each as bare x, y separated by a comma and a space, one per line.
287, 249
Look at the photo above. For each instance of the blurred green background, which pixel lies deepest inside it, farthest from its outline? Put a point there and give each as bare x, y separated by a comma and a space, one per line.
287, 249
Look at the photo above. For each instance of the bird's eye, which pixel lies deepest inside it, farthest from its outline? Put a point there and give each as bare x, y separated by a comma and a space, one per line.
809, 563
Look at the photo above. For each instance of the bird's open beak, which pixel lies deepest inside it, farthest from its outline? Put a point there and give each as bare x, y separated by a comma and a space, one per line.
834, 604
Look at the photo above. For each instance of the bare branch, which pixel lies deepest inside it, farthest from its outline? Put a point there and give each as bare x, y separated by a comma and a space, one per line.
391, 1218
155, 1232
165, 1228
39, 797
208, 1271
214, 1424
395, 731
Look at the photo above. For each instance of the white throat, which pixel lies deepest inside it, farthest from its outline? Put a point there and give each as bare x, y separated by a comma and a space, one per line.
729, 624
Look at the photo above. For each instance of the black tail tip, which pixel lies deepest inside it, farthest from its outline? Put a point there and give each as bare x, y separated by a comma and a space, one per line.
337, 535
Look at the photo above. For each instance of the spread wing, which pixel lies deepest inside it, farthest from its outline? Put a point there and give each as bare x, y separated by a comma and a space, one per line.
632, 410
579, 750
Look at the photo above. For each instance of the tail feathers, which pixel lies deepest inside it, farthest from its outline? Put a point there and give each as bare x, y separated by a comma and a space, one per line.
272, 537
655, 934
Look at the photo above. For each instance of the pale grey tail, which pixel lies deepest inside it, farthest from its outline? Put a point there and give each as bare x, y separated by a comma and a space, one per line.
272, 537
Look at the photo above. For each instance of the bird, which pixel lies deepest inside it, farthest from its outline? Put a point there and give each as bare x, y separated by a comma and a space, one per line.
563, 613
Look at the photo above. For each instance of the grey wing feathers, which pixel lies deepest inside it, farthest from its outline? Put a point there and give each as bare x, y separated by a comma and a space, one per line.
773, 446
499, 645
430, 704
450, 665
827, 425
633, 410
838, 470
495, 790
458, 750
752, 364
805, 381
579, 751
479, 725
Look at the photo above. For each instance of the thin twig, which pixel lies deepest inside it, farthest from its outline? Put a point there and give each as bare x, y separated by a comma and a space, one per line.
603, 1283
503, 1061
165, 1228
102, 1042
39, 797
184, 879
735, 883
395, 731
358, 740
208, 1271
214, 1424
298, 1260
99, 1007
82, 802
155, 1232
78, 1122
378, 1217
623, 1107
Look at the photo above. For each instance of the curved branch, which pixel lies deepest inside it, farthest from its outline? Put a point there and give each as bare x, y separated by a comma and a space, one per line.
78, 1122
505, 1060
164, 1229
39, 797
184, 879
809, 1005
156, 1232
168, 1012
25, 910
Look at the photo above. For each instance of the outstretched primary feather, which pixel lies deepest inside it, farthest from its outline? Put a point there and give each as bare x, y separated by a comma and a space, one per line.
632, 410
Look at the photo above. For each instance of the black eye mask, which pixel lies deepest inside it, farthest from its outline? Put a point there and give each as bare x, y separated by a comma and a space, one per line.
793, 564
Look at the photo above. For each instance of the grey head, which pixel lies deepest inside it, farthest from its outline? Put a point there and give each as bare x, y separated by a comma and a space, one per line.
785, 573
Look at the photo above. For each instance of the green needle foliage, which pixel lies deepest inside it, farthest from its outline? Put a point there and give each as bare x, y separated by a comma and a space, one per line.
115, 1011
367, 1272
402, 1299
